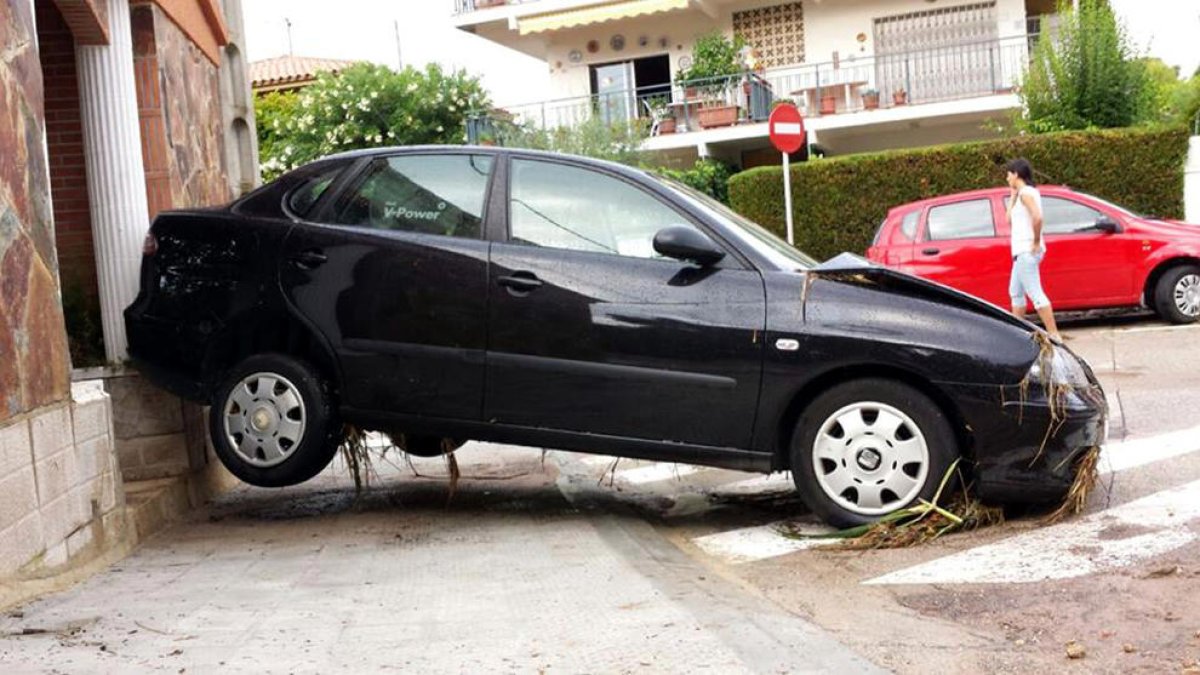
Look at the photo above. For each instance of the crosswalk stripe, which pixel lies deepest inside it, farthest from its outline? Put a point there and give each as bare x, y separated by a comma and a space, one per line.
1073, 549
749, 544
1137, 452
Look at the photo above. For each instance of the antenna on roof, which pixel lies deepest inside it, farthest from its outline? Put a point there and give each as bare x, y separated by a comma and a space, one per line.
399, 54
288, 22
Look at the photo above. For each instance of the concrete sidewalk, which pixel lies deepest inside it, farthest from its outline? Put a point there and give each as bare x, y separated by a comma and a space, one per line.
509, 577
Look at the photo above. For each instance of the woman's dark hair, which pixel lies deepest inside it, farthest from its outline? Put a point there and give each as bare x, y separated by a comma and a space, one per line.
1022, 168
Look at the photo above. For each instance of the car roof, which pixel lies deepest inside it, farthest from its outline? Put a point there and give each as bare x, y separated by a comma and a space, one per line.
985, 192
485, 150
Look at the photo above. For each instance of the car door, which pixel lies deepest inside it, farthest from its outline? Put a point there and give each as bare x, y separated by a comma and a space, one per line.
591, 331
1085, 267
959, 247
394, 273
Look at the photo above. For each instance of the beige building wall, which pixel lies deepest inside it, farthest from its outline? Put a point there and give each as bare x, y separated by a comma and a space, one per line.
829, 26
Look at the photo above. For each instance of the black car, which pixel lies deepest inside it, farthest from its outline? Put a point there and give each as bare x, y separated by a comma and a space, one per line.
561, 302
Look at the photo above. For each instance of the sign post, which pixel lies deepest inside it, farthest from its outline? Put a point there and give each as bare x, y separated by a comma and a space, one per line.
787, 135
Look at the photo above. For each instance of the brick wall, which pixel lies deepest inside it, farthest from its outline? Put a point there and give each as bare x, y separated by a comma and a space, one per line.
64, 141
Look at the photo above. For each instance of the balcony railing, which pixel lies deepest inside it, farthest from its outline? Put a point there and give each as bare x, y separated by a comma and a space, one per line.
832, 88
467, 6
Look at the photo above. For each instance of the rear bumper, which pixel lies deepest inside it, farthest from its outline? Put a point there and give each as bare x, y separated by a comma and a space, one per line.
158, 351
1026, 454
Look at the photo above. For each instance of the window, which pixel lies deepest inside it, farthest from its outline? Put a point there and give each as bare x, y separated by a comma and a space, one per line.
429, 194
303, 197
559, 206
908, 226
1063, 216
964, 220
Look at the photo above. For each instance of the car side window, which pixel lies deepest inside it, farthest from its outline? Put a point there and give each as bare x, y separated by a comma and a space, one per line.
429, 194
301, 200
558, 206
1064, 216
962, 220
908, 225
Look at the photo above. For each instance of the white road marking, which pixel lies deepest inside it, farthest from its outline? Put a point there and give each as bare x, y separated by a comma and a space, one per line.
1074, 549
656, 472
1137, 452
749, 544
765, 541
1156, 329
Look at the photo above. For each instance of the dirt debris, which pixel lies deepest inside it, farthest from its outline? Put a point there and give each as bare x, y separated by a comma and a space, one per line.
1075, 650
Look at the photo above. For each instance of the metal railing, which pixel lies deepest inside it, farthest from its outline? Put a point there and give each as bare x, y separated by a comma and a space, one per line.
865, 82
467, 6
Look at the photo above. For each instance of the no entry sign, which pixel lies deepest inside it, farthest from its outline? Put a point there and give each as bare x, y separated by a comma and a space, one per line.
787, 128
787, 135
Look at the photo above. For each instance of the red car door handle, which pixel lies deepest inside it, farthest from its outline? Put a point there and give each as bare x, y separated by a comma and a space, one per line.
931, 251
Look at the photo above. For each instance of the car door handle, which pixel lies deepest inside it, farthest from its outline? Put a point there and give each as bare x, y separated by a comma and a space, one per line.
520, 283
931, 251
309, 259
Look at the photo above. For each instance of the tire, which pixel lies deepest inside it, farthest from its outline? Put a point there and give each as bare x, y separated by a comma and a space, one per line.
279, 438
1177, 294
898, 453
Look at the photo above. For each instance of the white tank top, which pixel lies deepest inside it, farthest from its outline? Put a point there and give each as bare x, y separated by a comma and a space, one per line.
1021, 222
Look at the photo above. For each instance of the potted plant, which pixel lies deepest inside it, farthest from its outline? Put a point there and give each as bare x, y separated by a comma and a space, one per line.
713, 76
899, 96
828, 102
870, 99
662, 114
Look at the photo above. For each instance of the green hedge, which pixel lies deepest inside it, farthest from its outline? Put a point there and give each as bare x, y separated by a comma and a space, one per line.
838, 203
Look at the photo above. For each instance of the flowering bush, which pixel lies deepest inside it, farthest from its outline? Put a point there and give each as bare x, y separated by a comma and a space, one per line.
364, 106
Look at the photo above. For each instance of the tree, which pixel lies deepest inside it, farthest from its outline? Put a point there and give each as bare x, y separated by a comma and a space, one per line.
1085, 75
365, 106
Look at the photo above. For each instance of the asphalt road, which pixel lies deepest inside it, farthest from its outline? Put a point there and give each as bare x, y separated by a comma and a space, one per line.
577, 563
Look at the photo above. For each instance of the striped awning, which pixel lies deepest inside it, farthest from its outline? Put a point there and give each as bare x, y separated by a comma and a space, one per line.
597, 14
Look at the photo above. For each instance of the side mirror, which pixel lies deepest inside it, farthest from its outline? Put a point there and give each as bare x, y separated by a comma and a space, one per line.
1107, 225
689, 244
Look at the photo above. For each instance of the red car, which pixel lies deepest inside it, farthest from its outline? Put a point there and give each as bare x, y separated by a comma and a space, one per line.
1099, 254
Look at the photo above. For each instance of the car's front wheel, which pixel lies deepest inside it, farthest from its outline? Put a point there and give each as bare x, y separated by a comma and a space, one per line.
272, 423
869, 447
1177, 294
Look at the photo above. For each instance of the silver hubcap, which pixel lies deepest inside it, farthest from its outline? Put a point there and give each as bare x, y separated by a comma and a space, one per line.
264, 419
870, 458
1187, 294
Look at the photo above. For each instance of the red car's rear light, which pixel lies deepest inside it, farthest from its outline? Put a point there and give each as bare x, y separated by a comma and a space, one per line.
149, 244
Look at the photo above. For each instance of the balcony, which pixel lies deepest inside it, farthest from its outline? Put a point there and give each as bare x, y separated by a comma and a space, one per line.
821, 90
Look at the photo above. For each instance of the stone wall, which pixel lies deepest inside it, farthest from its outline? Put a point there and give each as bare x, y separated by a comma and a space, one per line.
61, 499
180, 112
33, 345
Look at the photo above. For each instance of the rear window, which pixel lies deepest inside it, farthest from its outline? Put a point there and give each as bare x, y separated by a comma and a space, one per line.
908, 226
962, 220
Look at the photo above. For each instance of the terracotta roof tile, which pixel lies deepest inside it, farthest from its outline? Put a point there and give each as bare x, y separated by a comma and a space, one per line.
283, 70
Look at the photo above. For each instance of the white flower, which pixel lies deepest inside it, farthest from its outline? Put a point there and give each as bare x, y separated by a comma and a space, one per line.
440, 129
412, 86
378, 138
391, 134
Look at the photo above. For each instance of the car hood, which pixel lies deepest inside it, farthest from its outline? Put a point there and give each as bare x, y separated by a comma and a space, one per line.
853, 269
1167, 228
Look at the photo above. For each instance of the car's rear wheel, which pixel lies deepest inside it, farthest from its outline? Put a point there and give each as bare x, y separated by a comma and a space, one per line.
869, 447
272, 422
1177, 294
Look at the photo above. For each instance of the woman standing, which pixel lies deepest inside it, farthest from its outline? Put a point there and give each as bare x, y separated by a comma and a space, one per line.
1028, 246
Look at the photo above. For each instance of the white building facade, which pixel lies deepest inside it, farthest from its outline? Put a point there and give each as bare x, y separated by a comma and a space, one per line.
867, 74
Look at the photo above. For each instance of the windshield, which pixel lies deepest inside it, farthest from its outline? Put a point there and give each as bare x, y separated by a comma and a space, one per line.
749, 233
1120, 209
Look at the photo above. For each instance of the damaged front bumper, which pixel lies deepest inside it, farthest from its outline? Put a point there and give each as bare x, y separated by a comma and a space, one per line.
1027, 453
